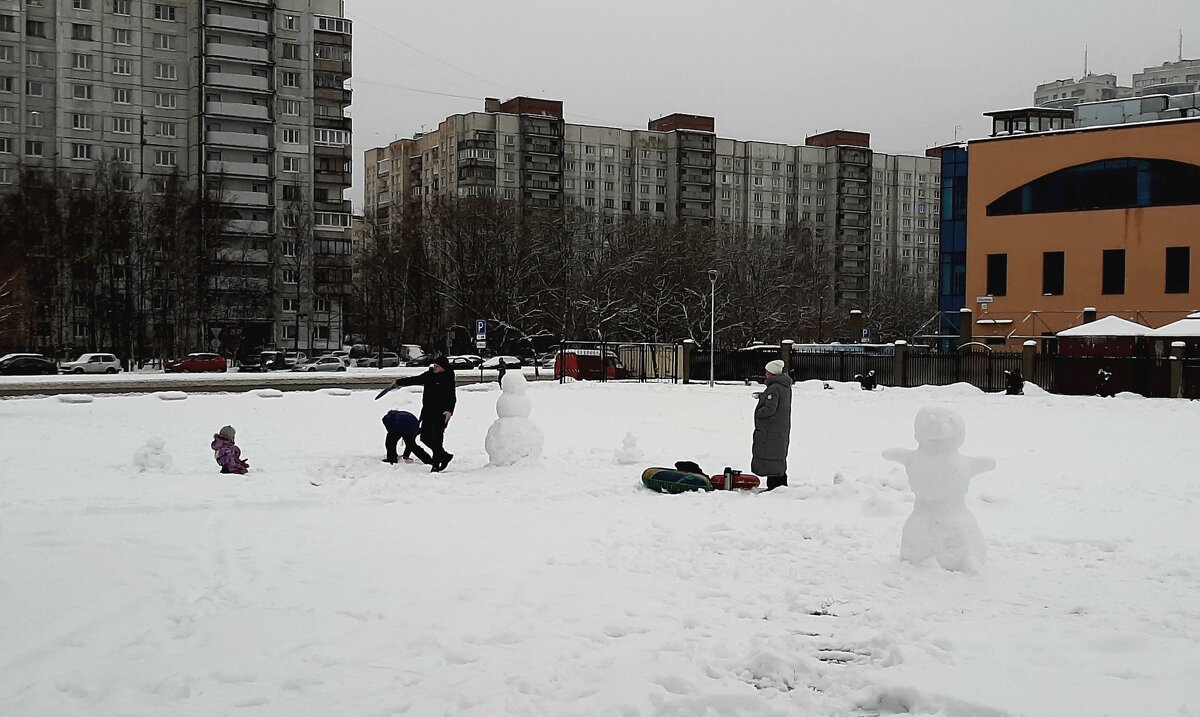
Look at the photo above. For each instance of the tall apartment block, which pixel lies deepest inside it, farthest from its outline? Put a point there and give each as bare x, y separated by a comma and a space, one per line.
1170, 78
860, 204
244, 97
1070, 92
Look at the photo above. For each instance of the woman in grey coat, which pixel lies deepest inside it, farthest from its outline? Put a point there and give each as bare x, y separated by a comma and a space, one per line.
773, 427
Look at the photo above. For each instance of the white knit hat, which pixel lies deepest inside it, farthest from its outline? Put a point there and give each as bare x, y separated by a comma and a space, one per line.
775, 367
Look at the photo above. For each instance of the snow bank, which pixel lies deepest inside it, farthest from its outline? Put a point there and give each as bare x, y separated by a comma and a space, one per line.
171, 396
76, 398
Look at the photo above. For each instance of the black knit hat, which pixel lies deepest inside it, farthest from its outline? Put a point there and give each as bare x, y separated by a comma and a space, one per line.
443, 362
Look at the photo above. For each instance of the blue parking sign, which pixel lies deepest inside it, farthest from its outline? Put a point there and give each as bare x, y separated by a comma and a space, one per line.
480, 328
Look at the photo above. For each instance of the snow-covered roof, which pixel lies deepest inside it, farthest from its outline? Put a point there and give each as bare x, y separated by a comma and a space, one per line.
1108, 326
1189, 327
1194, 316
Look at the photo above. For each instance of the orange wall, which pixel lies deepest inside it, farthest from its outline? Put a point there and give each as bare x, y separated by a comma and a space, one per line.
998, 166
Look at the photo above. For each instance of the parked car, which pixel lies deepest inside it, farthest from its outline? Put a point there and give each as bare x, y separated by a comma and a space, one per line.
344, 355
269, 360
322, 363
390, 360
6, 357
93, 363
27, 365
293, 358
465, 362
507, 362
413, 355
198, 363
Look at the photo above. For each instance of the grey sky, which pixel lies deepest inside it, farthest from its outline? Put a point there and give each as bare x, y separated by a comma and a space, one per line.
907, 71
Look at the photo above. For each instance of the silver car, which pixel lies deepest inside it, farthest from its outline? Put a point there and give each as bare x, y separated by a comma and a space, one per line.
322, 363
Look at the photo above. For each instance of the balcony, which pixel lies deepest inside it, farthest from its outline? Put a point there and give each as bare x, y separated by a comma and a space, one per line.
239, 283
247, 226
542, 146
696, 159
532, 183
695, 213
856, 174
691, 196
853, 205
240, 81
237, 24
238, 169
849, 155
238, 139
851, 221
240, 110
250, 199
237, 52
243, 256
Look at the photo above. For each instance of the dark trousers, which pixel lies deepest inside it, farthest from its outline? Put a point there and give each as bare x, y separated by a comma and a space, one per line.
433, 432
774, 482
411, 447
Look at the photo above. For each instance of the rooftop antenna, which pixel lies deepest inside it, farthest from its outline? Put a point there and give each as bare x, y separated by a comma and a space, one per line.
1181, 44
1085, 60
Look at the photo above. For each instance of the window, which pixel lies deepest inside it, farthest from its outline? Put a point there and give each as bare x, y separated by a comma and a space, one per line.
289, 79
122, 7
289, 305
81, 151
82, 62
34, 148
1053, 263
83, 4
291, 108
164, 71
7, 115
290, 192
1179, 269
122, 67
292, 164
81, 92
123, 155
165, 101
289, 330
290, 276
8, 23
331, 137
121, 96
85, 122
7, 83
164, 42
289, 248
35, 28
1111, 184
167, 129
164, 158
122, 125
164, 12
1113, 278
121, 37
80, 31
8, 53
6, 145
288, 22
291, 51
333, 24
997, 274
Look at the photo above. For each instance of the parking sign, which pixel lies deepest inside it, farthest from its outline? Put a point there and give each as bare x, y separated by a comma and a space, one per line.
480, 329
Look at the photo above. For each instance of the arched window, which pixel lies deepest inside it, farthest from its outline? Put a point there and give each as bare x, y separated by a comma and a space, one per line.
1109, 184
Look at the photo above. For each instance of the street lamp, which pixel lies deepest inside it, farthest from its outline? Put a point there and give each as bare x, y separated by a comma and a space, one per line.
712, 329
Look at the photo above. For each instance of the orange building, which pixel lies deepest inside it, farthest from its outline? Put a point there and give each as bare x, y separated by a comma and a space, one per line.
1100, 217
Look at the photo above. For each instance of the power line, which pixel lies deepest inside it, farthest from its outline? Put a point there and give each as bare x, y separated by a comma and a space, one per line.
419, 51
418, 90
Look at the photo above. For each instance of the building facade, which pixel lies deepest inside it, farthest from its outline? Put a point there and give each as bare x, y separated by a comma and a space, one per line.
1170, 78
1070, 92
246, 98
1098, 217
875, 212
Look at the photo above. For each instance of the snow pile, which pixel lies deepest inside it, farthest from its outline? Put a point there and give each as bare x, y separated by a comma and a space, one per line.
152, 457
563, 587
340, 392
77, 398
269, 393
171, 396
513, 436
941, 526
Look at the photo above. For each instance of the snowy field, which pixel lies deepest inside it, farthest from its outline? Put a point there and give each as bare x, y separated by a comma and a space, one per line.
565, 588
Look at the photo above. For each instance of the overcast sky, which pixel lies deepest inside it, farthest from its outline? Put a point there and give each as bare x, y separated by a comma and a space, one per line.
907, 71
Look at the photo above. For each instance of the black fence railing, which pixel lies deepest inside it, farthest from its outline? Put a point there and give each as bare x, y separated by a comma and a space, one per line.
604, 361
983, 370
1191, 379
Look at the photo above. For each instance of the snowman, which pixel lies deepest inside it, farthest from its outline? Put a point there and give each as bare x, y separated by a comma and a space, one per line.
152, 457
513, 436
941, 526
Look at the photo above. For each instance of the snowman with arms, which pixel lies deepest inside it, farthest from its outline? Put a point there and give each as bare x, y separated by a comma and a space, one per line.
941, 526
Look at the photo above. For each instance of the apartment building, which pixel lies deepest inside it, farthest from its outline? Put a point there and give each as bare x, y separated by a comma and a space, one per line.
247, 98
1180, 77
677, 170
1070, 92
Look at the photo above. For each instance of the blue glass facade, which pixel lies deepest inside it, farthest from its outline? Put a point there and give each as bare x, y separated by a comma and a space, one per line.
952, 276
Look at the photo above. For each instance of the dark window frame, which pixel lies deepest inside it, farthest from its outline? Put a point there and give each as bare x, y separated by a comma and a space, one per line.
997, 274
1177, 276
1122, 183
1053, 273
1112, 272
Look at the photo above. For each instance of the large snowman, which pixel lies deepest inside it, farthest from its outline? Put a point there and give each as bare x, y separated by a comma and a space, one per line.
513, 436
941, 526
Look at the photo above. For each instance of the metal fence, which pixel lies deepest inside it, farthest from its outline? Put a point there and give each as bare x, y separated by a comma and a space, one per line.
983, 370
1080, 375
611, 361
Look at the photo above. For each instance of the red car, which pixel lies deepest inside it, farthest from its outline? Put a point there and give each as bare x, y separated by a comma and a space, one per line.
198, 363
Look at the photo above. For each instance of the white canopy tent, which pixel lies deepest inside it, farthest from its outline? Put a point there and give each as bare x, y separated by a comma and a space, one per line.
1108, 326
1184, 328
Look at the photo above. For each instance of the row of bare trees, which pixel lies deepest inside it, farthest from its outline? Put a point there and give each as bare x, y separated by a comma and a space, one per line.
95, 266
539, 278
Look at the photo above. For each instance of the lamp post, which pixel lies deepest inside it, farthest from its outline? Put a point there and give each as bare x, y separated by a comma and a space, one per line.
712, 329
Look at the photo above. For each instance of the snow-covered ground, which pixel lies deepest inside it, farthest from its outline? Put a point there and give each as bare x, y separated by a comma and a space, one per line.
565, 588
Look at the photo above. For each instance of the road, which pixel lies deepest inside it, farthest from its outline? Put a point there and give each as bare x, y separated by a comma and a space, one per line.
149, 382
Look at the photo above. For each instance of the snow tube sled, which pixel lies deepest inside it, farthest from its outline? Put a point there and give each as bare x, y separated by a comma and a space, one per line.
672, 480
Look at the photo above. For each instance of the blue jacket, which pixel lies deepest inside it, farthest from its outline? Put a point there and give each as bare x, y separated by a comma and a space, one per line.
402, 422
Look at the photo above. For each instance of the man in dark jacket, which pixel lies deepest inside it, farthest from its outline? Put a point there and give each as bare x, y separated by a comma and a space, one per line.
773, 427
437, 406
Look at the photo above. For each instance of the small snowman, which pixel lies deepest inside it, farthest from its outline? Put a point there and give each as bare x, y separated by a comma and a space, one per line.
513, 436
152, 457
941, 526
628, 453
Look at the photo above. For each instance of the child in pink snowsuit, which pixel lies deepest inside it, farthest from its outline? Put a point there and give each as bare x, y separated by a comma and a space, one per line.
228, 455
